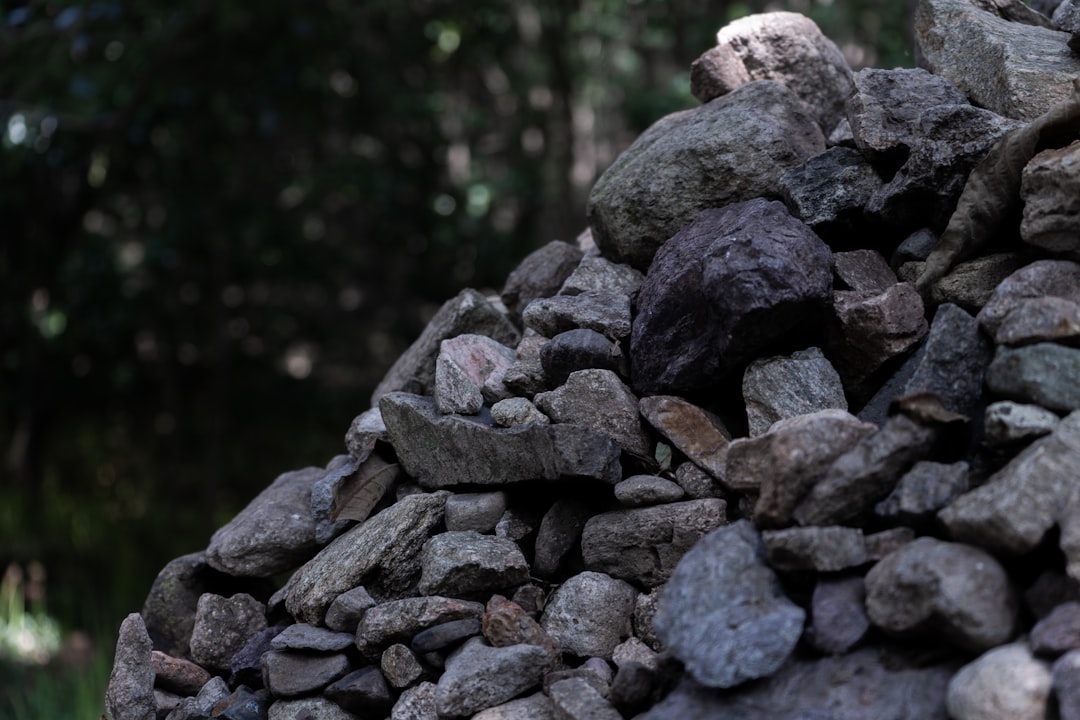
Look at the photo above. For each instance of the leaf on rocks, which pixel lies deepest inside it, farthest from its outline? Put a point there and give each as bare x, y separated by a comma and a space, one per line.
360, 493
663, 456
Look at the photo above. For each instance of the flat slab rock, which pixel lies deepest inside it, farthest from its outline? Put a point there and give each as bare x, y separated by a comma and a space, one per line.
444, 451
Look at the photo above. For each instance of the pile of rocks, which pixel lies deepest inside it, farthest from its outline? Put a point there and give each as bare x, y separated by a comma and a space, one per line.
632, 485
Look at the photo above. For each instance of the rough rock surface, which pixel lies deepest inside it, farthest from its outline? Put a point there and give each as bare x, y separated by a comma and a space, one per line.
699, 434
734, 282
480, 676
598, 399
589, 614
782, 387
130, 694
1050, 188
1044, 374
540, 274
1006, 682
749, 137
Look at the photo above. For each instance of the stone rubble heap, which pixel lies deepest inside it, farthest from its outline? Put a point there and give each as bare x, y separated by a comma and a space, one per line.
716, 459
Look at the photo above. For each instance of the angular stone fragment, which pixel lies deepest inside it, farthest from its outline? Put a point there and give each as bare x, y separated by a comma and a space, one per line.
445, 451
723, 613
1006, 682
416, 703
1065, 678
201, 705
749, 137
697, 483
838, 615
589, 614
949, 590
699, 434
310, 707
560, 530
326, 490
782, 46
464, 365
468, 312
384, 549
246, 665
130, 693
273, 534
537, 706
363, 692
400, 620
445, 635
579, 349
1042, 278
824, 549
1010, 423
1042, 319
526, 375
400, 666
954, 361
222, 627
1014, 69
640, 490
829, 193
862, 270
875, 682
603, 311
169, 609
288, 674
302, 636
867, 473
923, 490
365, 429
1045, 374
575, 699
598, 273
475, 511
736, 281
599, 400
783, 464
177, 675
782, 387
479, 676
1012, 511
507, 623
463, 563
1050, 188
345, 612
645, 544
539, 275
972, 283
517, 411
1058, 632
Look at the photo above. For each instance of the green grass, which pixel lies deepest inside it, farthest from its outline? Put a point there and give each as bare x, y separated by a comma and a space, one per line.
55, 690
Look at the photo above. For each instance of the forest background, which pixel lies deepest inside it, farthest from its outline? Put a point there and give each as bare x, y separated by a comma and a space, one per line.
220, 222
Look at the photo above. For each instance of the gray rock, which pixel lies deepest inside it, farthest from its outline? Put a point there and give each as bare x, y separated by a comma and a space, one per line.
575, 699
475, 511
345, 611
589, 614
697, 483
178, 675
560, 530
1012, 511
598, 273
1049, 189
416, 703
824, 549
273, 534
479, 676
972, 283
288, 674
871, 328
130, 693
876, 682
639, 490
463, 563
537, 706
507, 623
699, 434
468, 369
782, 46
883, 543
398, 621
1014, 69
400, 666
634, 650
723, 613
863, 270
1058, 632
199, 707
645, 544
468, 312
1050, 589
326, 489
363, 692
169, 609
954, 361
1042, 278
599, 400
603, 311
782, 465
384, 551
1066, 16
445, 635
1009, 423
517, 523
311, 707
441, 451
1006, 682
915, 247
1065, 678
829, 192
1044, 374
950, 590
782, 387
222, 627
526, 375
302, 636
539, 275
644, 614
734, 282
580, 349
246, 664
1043, 319
517, 411
923, 490
748, 137
365, 429
838, 615
867, 473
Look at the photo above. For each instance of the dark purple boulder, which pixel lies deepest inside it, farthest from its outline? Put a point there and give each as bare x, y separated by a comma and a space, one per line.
726, 287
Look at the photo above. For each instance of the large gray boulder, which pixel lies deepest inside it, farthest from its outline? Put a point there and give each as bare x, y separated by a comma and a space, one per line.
735, 282
732, 149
